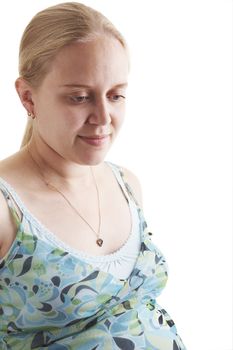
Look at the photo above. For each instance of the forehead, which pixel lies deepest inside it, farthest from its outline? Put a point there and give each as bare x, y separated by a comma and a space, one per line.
101, 61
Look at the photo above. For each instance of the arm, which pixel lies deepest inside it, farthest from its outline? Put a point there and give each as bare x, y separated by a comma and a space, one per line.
7, 227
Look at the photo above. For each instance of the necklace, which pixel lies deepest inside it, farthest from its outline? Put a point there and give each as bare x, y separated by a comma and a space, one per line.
99, 241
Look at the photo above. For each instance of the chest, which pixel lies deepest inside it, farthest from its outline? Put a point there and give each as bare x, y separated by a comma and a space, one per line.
77, 225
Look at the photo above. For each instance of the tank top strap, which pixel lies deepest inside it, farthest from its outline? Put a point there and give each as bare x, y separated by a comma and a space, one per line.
11, 200
16, 207
119, 174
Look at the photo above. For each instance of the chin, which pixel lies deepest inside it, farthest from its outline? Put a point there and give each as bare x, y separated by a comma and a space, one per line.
92, 156
92, 160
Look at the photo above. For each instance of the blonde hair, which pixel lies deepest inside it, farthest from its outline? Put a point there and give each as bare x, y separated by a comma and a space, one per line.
52, 29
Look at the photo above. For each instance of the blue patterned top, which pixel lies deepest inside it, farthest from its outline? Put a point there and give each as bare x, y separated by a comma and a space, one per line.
51, 299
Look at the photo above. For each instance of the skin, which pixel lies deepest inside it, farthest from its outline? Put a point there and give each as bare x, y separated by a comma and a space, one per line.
82, 96
64, 111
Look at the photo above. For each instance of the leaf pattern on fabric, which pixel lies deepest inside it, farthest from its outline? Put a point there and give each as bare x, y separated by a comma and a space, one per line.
51, 299
124, 343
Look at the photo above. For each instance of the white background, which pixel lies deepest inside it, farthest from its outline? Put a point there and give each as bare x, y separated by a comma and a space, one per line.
177, 138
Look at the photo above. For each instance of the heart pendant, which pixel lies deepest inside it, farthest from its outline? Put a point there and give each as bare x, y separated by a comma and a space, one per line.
99, 242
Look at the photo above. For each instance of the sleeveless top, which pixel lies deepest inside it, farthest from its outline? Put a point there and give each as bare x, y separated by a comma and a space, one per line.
121, 262
51, 298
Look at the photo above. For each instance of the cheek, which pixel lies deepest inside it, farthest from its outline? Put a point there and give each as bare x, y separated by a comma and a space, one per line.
73, 119
64, 118
119, 117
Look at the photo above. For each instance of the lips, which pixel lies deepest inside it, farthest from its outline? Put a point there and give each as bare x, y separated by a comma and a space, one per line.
95, 136
95, 140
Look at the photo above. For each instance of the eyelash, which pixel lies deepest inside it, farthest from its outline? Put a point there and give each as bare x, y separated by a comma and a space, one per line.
119, 97
82, 99
79, 99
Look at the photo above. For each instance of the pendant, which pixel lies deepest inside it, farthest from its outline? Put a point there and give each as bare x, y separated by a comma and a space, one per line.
99, 241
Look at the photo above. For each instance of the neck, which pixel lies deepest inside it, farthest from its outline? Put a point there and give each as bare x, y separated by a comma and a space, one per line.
57, 169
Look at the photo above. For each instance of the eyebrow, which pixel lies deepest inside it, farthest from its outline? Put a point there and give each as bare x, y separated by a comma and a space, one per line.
89, 87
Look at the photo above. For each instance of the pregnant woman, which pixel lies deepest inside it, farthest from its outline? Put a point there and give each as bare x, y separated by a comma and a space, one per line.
78, 269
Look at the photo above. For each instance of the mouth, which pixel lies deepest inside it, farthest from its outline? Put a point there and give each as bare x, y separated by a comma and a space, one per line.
95, 140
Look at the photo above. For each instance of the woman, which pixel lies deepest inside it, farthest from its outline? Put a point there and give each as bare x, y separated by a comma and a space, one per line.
86, 278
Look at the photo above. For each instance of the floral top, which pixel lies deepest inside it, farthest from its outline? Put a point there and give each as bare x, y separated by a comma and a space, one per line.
51, 299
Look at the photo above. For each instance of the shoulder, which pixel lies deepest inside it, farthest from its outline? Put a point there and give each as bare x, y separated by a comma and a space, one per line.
7, 226
3, 219
132, 180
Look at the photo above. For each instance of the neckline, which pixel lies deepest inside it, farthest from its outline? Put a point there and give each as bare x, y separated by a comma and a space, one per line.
53, 238
60, 244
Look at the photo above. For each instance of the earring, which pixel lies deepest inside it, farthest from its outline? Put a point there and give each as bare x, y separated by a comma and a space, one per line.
31, 115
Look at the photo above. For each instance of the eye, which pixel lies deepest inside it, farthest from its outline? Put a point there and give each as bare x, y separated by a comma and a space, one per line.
116, 97
78, 99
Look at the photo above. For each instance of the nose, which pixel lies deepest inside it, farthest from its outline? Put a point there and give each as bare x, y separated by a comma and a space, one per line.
100, 114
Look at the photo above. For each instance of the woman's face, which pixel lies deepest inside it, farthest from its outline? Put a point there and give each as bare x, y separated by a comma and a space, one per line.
80, 105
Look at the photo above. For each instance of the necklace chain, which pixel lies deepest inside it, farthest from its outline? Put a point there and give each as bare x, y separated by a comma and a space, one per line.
99, 240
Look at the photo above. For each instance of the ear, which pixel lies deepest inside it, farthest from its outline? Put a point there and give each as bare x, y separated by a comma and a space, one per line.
25, 93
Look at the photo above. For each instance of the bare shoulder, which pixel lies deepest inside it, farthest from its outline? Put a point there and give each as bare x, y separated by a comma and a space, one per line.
134, 184
7, 226
3, 219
